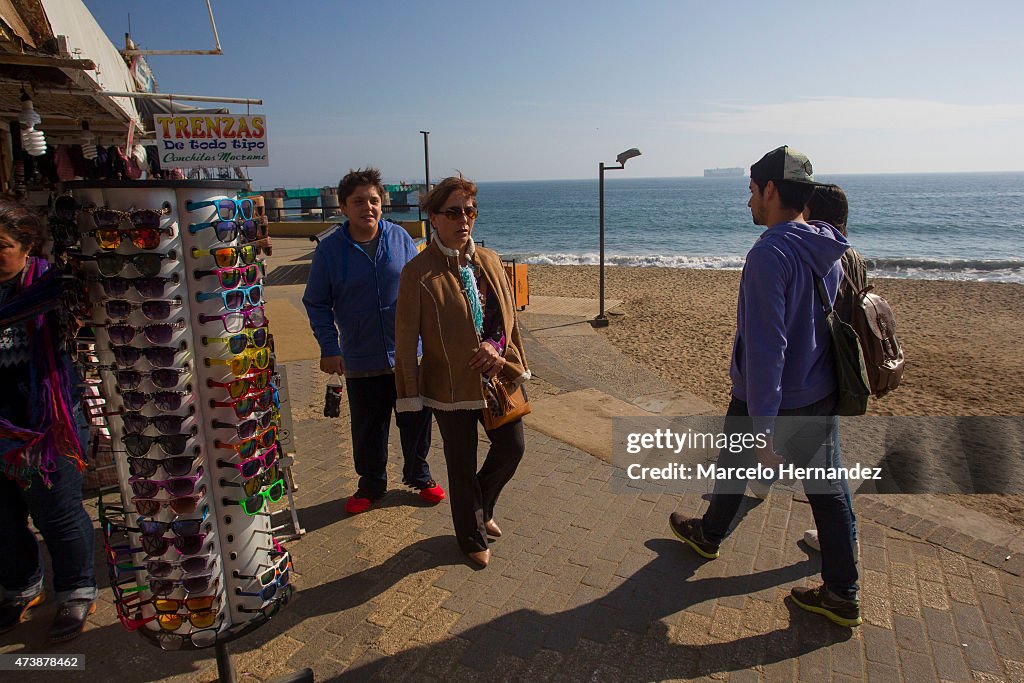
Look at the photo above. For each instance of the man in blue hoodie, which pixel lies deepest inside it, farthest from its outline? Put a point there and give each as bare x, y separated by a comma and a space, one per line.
782, 367
352, 290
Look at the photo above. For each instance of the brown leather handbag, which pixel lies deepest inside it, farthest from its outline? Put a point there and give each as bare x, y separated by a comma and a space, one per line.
505, 402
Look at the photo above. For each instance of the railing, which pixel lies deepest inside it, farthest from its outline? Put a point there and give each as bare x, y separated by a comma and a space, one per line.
326, 214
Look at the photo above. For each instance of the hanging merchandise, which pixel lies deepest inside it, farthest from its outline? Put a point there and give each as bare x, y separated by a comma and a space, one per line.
186, 361
33, 141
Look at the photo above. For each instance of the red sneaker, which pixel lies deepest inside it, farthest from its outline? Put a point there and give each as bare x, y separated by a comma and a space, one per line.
361, 501
430, 492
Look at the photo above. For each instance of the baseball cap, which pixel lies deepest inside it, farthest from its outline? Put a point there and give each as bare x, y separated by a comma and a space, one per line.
784, 163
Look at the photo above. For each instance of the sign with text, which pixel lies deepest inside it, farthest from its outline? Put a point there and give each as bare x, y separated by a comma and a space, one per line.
206, 140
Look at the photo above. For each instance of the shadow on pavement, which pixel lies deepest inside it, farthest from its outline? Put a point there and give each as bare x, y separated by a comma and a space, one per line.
658, 590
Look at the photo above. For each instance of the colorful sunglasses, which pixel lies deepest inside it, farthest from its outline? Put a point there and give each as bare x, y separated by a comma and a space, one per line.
270, 610
140, 218
280, 578
253, 505
242, 386
154, 309
258, 483
159, 568
233, 277
227, 209
244, 407
225, 257
247, 448
152, 287
247, 429
242, 363
195, 583
230, 230
176, 486
237, 343
237, 321
235, 299
253, 466
142, 238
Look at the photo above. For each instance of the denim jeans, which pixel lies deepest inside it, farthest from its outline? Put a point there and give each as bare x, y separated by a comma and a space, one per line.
371, 401
66, 528
829, 500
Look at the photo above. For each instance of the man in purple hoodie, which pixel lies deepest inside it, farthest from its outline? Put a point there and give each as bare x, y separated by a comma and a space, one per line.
782, 367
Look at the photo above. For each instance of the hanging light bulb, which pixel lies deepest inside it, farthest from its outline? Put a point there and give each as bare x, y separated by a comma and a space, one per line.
88, 142
32, 140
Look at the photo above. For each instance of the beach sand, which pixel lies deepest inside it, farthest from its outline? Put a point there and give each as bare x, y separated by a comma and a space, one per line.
961, 339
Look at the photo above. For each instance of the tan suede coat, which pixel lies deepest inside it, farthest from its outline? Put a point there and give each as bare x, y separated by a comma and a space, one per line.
433, 307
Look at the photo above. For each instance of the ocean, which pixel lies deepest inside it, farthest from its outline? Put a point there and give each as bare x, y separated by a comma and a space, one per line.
965, 226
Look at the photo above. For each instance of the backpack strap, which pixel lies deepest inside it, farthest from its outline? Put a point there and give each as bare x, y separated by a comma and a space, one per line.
823, 295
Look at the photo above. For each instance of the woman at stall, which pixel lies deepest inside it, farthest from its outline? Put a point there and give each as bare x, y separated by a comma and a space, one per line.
40, 448
455, 297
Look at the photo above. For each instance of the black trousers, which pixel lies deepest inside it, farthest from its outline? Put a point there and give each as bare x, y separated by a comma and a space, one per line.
472, 493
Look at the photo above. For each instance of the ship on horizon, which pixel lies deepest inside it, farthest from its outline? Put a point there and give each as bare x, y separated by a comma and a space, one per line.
724, 172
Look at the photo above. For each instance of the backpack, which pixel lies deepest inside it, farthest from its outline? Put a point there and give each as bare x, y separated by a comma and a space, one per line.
871, 318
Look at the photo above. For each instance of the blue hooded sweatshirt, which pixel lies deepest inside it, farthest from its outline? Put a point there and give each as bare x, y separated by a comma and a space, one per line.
354, 293
782, 355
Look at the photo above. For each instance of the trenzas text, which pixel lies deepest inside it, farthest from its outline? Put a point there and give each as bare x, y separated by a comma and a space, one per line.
668, 440
206, 127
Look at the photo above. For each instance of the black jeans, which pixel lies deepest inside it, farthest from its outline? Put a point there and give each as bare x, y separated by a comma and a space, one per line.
371, 400
58, 514
473, 494
829, 500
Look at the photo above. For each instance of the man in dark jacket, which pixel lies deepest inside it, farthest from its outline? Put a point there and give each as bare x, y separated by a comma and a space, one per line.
352, 290
782, 367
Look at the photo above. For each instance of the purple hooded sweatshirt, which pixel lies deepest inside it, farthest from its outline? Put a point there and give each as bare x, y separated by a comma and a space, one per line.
782, 355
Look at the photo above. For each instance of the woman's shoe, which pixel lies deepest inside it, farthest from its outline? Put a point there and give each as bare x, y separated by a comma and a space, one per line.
480, 558
492, 528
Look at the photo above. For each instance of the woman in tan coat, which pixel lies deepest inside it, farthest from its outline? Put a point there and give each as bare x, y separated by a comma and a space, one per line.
455, 298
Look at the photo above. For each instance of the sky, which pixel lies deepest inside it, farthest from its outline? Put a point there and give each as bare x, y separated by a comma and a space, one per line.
547, 90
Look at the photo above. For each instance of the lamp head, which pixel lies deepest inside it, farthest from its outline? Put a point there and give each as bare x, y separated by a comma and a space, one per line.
627, 155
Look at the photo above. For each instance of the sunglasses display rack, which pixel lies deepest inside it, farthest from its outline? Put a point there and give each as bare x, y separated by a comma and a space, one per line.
175, 278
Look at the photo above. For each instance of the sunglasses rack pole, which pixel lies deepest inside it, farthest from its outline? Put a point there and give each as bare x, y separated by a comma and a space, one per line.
197, 460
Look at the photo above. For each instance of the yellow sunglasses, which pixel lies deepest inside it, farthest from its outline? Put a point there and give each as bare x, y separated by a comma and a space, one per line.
241, 364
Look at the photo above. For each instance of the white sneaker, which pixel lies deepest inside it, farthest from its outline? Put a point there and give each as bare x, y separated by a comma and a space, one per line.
759, 489
811, 539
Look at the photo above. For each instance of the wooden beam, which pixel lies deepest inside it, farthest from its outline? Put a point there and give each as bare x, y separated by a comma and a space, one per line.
53, 62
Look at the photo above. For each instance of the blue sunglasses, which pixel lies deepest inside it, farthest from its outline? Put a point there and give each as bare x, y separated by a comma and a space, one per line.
227, 209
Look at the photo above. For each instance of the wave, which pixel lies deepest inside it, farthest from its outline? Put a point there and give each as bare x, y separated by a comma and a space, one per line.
979, 270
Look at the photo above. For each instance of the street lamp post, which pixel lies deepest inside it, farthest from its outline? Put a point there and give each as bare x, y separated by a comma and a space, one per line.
602, 320
426, 167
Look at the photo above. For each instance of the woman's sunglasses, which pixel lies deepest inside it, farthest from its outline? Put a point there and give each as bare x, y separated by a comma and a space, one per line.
165, 424
153, 309
233, 277
235, 299
138, 445
140, 218
226, 257
142, 238
163, 378
237, 343
180, 505
247, 429
242, 363
238, 321
157, 333
244, 385
175, 466
158, 356
155, 546
198, 583
163, 400
457, 212
176, 486
147, 265
152, 287
253, 466
227, 209
179, 527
